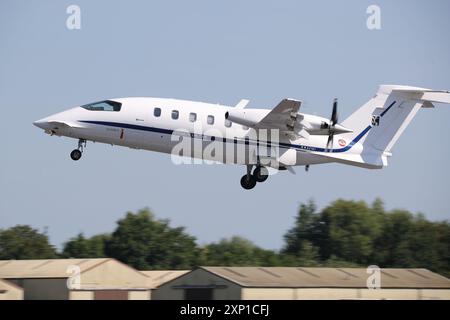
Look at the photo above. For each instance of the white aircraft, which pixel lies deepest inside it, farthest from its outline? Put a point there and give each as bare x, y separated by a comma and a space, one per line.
239, 135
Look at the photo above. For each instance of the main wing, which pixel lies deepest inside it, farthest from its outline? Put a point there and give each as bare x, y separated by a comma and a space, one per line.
283, 117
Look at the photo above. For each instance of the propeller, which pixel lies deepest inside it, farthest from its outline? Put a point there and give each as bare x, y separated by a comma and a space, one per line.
333, 122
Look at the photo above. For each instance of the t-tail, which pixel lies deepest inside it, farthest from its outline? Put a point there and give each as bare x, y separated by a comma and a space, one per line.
379, 123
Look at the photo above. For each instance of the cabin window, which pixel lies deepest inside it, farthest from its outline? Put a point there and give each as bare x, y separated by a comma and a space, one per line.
227, 123
157, 112
192, 117
107, 105
210, 119
244, 128
175, 114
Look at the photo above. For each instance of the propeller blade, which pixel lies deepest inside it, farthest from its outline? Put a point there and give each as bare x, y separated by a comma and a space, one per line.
334, 115
333, 122
330, 141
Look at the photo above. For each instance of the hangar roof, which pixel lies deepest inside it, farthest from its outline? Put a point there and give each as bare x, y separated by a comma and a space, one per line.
51, 268
293, 277
107, 273
159, 277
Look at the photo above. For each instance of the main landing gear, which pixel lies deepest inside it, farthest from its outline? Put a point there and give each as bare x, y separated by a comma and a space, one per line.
249, 180
77, 153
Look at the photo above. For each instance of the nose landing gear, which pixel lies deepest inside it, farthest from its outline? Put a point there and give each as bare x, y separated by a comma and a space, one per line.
76, 154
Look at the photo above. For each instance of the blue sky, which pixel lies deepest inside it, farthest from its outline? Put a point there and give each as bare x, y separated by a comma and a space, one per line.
212, 51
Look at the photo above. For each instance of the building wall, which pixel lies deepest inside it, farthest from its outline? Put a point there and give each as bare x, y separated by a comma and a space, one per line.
12, 292
435, 294
139, 295
268, 293
90, 294
43, 288
326, 293
406, 294
198, 277
342, 293
390, 294
81, 295
111, 295
298, 294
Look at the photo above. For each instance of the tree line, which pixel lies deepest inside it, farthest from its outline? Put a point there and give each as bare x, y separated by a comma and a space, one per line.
343, 234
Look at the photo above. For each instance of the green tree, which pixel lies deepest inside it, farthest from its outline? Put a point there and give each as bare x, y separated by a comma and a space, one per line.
392, 247
378, 207
24, 242
237, 251
146, 243
348, 231
442, 232
423, 241
409, 241
299, 248
81, 247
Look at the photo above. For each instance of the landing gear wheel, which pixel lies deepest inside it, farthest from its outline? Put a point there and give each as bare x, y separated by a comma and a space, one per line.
248, 182
261, 174
75, 155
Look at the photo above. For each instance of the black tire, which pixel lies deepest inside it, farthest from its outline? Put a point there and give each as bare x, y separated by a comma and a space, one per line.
261, 174
75, 155
248, 182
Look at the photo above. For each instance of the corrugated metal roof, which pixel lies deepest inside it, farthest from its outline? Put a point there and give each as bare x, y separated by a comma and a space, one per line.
298, 277
159, 277
52, 268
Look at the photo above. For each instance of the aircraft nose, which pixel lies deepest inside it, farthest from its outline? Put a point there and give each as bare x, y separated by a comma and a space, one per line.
43, 124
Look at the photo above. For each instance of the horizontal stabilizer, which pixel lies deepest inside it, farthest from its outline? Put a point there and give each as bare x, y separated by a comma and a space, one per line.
415, 93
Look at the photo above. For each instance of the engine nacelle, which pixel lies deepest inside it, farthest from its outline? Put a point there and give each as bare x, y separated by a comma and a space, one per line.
246, 117
316, 125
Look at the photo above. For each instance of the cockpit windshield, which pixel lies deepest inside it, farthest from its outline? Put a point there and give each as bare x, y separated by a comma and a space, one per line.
106, 105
